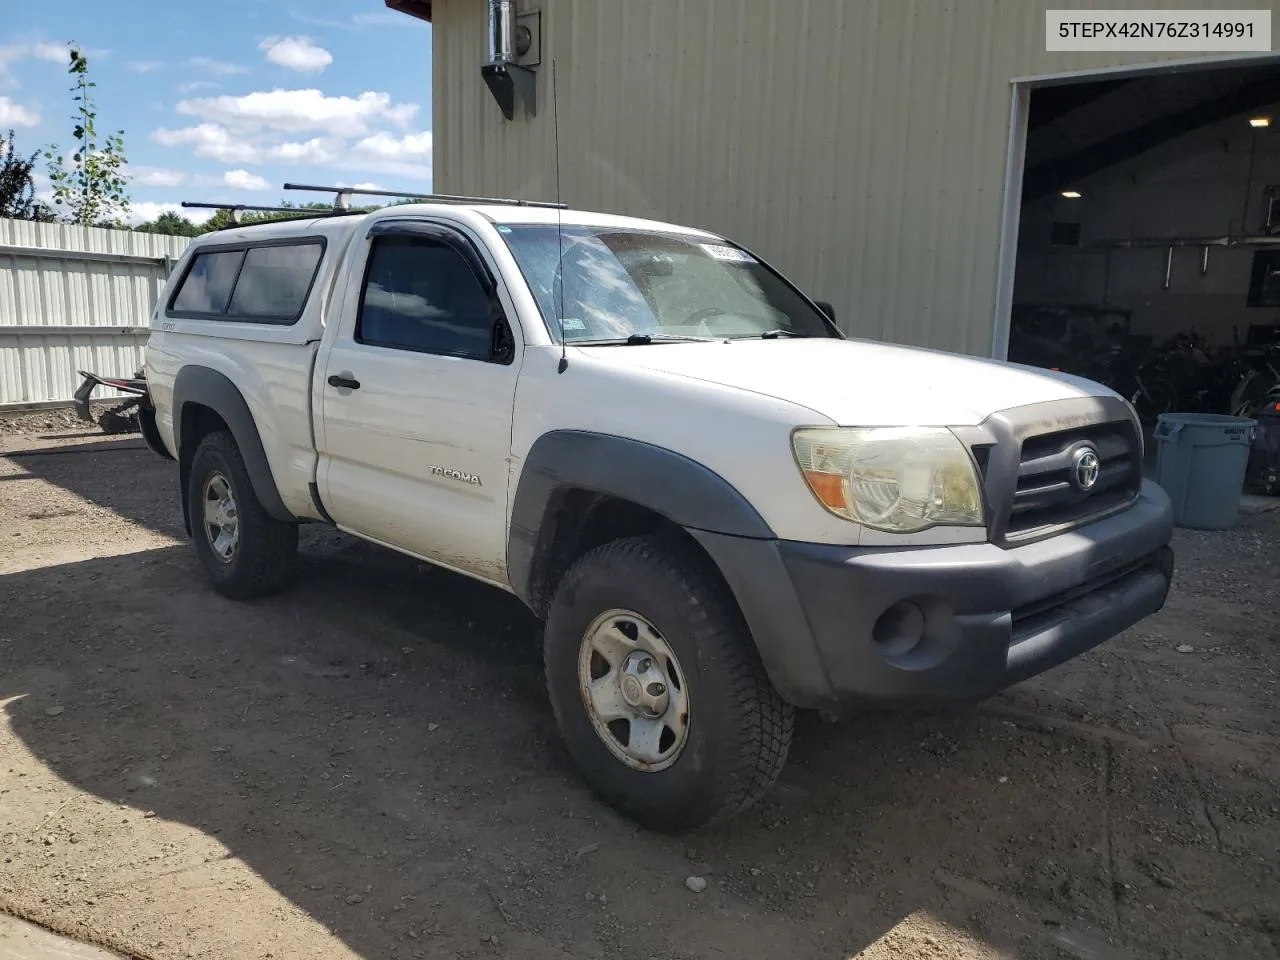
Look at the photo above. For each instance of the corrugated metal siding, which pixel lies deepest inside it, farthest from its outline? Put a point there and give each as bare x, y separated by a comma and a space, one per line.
76, 294
858, 144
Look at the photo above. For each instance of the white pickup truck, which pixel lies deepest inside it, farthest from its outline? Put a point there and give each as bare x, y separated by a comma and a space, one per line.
723, 508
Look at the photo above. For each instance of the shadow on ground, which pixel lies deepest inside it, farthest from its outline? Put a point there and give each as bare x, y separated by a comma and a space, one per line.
376, 746
121, 476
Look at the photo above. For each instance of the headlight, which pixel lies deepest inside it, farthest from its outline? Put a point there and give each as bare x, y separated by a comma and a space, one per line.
896, 479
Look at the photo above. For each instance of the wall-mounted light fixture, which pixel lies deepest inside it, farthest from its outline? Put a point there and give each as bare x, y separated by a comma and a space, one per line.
1259, 121
509, 40
1071, 194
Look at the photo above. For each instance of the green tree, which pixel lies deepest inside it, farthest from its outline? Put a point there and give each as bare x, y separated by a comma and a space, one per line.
172, 224
17, 186
90, 189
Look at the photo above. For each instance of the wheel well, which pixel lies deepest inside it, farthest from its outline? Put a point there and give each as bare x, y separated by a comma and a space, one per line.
579, 522
197, 422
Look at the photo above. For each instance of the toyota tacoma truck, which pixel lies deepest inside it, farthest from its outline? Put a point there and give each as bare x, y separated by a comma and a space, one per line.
722, 507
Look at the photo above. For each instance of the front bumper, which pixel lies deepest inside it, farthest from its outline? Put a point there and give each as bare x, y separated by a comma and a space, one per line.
984, 617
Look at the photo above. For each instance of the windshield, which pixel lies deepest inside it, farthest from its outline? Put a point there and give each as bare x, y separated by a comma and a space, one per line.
620, 283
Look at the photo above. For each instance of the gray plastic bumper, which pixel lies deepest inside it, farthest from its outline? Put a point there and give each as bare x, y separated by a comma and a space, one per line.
983, 617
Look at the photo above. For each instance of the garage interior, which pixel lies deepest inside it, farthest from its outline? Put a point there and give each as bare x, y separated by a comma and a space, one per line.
1149, 238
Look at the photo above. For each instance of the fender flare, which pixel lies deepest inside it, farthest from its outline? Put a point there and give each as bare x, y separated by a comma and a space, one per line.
670, 484
209, 388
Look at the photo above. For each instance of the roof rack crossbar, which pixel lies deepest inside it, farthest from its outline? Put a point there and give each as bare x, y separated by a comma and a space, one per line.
237, 209
242, 206
342, 197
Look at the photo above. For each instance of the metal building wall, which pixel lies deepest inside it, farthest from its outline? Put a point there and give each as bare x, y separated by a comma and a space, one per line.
74, 298
859, 144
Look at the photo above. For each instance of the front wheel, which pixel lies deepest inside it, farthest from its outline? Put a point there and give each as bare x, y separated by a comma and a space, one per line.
245, 551
657, 688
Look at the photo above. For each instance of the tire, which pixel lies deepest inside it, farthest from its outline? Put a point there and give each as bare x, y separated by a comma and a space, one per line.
738, 729
262, 554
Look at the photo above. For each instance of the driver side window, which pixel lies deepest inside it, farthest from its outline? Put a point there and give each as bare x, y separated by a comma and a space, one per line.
421, 295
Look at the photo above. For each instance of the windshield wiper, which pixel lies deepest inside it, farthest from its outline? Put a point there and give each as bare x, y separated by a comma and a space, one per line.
642, 339
775, 334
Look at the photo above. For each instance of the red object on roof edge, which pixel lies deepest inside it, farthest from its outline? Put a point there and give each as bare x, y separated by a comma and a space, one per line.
414, 8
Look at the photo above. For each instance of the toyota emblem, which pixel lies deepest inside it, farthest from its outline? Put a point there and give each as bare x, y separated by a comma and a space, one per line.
1085, 469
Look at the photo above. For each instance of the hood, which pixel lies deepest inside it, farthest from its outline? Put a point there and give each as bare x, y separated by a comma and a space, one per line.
860, 382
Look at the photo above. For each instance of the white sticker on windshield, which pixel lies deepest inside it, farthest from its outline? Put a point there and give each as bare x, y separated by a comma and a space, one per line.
729, 254
572, 323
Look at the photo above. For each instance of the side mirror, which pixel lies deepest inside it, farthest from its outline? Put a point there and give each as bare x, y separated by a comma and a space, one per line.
828, 309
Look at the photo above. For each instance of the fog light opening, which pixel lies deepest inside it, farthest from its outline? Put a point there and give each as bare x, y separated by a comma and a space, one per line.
899, 629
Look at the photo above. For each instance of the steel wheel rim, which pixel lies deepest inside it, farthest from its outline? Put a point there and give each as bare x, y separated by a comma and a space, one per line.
634, 690
221, 518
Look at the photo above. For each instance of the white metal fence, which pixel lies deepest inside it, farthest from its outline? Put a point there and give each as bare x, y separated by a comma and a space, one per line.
74, 298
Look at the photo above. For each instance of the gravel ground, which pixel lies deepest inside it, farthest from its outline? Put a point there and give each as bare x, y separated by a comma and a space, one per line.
58, 421
367, 766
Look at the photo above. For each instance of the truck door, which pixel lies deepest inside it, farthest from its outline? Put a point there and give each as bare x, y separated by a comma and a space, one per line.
416, 399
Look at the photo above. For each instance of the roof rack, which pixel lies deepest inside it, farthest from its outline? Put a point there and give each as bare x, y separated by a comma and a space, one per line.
237, 210
343, 195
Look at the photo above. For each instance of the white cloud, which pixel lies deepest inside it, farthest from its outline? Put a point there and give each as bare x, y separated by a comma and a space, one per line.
210, 140
301, 110
382, 145
244, 180
238, 179
13, 52
316, 151
195, 85
147, 211
220, 67
367, 185
156, 177
16, 115
368, 133
407, 156
143, 66
296, 53
51, 52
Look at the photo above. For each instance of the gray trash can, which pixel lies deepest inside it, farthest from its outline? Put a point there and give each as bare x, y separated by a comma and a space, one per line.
1201, 460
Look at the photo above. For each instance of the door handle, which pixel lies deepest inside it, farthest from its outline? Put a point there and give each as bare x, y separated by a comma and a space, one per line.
347, 383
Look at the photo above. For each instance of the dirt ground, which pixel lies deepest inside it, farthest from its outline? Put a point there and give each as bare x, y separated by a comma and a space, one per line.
367, 766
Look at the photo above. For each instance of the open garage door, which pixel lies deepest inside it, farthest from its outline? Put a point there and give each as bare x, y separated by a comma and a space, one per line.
1148, 250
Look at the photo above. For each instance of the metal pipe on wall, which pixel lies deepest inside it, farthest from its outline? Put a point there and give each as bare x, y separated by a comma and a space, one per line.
502, 19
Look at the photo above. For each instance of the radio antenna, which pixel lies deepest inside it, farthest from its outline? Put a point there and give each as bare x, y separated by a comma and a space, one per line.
555, 114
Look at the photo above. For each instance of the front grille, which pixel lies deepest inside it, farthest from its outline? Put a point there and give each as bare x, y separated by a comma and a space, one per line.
1046, 497
1027, 457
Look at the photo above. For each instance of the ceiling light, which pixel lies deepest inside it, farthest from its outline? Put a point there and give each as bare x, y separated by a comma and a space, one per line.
1259, 121
1071, 194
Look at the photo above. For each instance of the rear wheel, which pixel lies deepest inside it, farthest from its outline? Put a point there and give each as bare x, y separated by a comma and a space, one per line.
245, 551
657, 688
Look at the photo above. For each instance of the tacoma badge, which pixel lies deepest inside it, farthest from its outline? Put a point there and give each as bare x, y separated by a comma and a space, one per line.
454, 475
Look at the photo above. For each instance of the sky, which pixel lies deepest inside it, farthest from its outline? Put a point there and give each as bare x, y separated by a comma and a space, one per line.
227, 101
